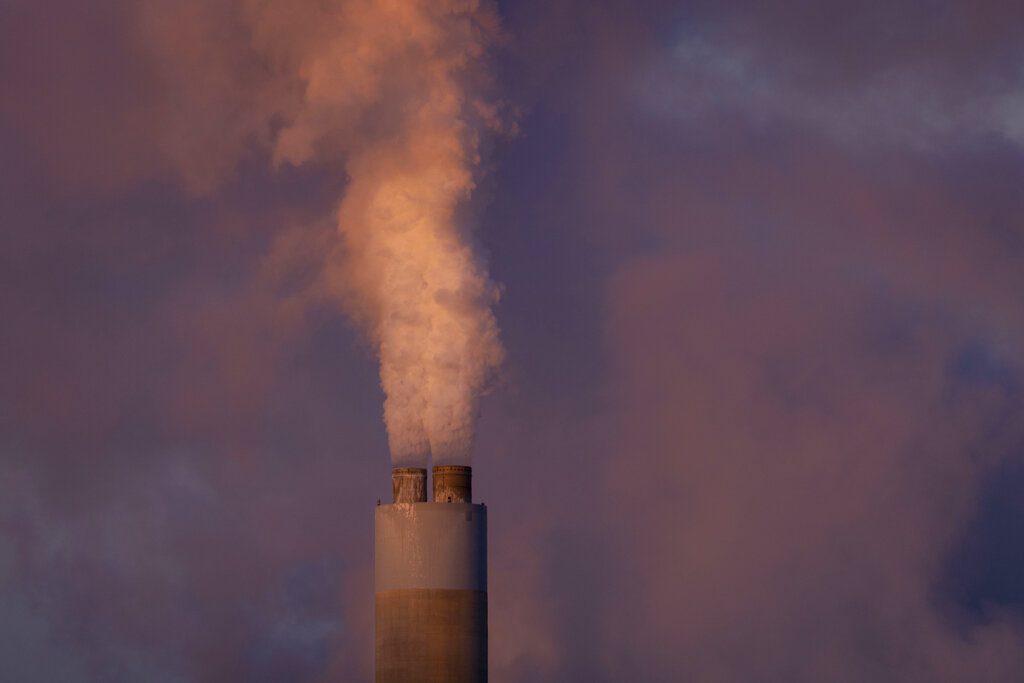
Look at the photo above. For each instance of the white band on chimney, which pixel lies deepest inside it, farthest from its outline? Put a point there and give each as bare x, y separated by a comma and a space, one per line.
431, 545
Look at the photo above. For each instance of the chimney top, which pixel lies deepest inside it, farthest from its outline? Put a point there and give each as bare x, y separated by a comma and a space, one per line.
409, 484
453, 484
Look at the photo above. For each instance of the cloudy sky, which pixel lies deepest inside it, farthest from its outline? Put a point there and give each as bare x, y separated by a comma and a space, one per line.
762, 304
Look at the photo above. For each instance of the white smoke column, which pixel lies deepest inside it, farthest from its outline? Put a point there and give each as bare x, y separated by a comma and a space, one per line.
394, 87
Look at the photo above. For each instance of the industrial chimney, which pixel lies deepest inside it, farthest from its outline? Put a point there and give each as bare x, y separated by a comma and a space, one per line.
431, 580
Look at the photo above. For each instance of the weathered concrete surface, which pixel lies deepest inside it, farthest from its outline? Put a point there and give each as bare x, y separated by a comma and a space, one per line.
409, 484
431, 636
453, 484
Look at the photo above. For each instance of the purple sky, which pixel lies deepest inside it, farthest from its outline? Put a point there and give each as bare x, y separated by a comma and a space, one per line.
761, 418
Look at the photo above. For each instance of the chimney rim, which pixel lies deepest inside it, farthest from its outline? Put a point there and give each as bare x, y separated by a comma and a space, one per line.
446, 469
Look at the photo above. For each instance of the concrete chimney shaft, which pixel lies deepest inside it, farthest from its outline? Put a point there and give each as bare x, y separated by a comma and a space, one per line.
430, 581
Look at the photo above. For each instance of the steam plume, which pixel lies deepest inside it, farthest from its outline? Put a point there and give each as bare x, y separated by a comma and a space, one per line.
394, 85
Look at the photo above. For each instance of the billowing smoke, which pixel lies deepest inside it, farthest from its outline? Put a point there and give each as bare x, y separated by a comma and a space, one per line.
424, 293
407, 267
398, 92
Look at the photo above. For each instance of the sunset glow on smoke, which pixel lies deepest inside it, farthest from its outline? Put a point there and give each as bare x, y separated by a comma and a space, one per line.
406, 268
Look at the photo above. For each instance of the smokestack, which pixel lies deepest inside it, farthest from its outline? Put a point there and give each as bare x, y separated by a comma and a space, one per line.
409, 484
453, 484
431, 580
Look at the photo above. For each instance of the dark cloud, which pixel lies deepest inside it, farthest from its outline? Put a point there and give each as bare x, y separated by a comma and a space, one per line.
762, 409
